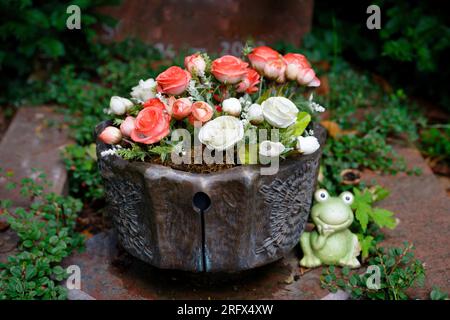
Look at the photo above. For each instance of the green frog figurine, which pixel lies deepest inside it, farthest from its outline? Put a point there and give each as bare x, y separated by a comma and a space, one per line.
331, 243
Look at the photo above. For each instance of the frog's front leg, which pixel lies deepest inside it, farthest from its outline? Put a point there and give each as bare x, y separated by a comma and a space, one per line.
354, 250
309, 260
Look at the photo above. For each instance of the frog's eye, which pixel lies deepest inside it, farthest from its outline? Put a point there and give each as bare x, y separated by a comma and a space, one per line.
321, 195
347, 197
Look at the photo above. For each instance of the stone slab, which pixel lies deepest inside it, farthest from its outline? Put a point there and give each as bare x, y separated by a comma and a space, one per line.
107, 272
33, 140
423, 208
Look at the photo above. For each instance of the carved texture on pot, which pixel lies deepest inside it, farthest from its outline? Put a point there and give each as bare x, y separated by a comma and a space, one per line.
289, 203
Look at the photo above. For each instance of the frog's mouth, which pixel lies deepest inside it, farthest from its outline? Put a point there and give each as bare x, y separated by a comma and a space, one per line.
324, 226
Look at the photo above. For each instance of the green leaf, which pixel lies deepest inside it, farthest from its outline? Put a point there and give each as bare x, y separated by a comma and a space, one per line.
362, 214
383, 218
366, 243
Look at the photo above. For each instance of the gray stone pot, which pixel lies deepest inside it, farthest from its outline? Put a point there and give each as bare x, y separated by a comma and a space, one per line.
251, 219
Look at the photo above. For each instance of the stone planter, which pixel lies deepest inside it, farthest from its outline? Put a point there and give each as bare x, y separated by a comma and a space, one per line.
250, 219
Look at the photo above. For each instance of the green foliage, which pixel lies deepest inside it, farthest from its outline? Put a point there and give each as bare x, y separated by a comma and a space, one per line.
46, 233
33, 35
368, 219
84, 179
399, 270
437, 294
409, 50
435, 142
141, 152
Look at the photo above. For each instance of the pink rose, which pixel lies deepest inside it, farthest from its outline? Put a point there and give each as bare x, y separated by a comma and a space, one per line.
173, 81
195, 64
260, 56
275, 69
110, 135
151, 124
181, 108
127, 126
201, 112
249, 83
229, 69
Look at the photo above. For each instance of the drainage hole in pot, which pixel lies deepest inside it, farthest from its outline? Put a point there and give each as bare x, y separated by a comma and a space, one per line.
201, 201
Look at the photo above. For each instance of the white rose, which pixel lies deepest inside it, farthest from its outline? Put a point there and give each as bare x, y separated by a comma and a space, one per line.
307, 145
255, 114
270, 149
119, 105
232, 106
144, 90
280, 112
221, 133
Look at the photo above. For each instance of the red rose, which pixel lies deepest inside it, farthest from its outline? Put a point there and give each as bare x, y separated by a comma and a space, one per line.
260, 56
229, 69
250, 82
181, 108
151, 125
173, 81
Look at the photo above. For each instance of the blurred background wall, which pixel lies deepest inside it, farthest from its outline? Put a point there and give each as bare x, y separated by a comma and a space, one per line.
220, 26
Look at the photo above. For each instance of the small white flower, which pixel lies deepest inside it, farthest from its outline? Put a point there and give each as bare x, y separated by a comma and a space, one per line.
270, 149
119, 105
221, 133
144, 90
280, 112
307, 145
255, 114
232, 106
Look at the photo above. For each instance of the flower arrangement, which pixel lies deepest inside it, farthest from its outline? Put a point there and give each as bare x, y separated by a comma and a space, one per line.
256, 107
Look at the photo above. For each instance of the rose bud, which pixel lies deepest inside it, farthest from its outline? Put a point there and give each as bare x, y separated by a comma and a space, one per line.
173, 81
201, 112
260, 56
275, 70
271, 149
307, 145
255, 114
305, 76
119, 105
195, 64
110, 135
127, 126
295, 62
232, 106
181, 108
